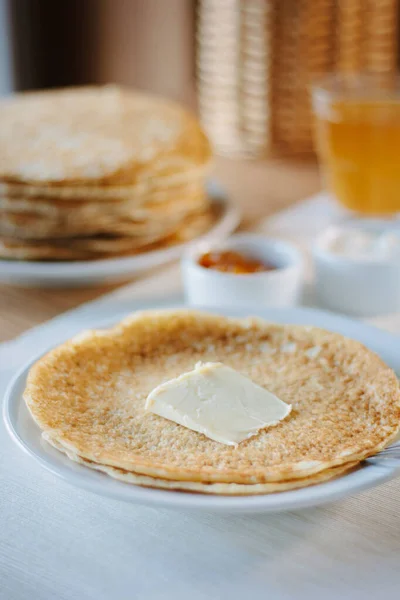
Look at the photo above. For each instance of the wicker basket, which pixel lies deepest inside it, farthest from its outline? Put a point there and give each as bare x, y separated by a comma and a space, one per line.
256, 59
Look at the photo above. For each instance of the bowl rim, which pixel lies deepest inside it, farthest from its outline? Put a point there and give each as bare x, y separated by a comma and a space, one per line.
293, 256
321, 251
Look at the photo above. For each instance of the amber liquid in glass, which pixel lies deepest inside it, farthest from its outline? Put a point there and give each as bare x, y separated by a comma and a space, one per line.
359, 144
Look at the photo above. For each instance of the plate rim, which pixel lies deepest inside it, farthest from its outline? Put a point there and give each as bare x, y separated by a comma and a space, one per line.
368, 476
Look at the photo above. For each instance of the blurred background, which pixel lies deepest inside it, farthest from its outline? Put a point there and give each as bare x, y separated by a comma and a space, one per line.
148, 44
246, 65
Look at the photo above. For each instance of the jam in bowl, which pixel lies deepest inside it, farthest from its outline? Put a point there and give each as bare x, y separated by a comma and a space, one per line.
247, 270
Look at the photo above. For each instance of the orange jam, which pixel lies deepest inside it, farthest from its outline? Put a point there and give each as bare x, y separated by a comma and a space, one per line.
232, 262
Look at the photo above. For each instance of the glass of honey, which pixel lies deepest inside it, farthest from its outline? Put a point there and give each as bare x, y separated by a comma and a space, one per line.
358, 140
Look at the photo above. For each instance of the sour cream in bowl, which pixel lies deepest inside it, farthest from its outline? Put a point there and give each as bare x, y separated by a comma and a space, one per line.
357, 268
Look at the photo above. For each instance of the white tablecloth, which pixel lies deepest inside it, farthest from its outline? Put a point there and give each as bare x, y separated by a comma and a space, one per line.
60, 543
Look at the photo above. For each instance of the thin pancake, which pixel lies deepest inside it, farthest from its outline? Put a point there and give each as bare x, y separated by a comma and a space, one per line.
107, 246
53, 205
89, 394
151, 220
220, 489
96, 136
155, 185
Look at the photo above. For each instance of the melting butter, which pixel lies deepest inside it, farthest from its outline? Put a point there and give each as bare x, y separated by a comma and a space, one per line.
219, 402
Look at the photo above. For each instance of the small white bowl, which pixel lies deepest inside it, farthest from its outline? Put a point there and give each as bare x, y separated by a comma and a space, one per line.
353, 285
279, 287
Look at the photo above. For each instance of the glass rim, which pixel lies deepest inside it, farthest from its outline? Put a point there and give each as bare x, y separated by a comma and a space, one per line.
356, 85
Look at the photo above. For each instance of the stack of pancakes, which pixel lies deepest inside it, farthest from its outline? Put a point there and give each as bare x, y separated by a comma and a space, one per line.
98, 171
88, 397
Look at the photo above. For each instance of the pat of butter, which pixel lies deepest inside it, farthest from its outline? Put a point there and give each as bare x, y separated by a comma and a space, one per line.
217, 401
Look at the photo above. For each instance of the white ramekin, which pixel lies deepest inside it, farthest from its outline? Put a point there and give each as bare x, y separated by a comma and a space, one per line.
354, 286
280, 287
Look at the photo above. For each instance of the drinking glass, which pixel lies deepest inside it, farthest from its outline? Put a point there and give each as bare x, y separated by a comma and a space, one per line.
358, 141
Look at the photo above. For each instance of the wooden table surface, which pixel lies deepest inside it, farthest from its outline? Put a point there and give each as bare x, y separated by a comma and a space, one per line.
259, 188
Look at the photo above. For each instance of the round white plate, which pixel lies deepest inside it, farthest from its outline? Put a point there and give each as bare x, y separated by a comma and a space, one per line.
28, 436
111, 270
